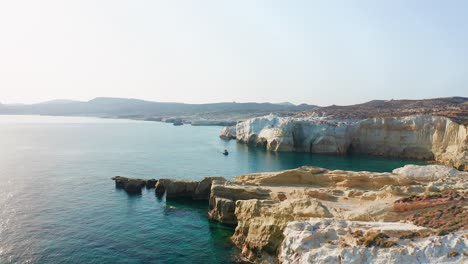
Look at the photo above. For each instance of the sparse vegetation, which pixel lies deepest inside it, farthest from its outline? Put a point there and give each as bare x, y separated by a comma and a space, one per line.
444, 221
453, 107
357, 234
415, 234
343, 244
410, 235
376, 239
414, 202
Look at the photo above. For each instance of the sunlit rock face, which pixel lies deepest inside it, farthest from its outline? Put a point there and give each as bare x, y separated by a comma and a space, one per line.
420, 137
262, 205
228, 132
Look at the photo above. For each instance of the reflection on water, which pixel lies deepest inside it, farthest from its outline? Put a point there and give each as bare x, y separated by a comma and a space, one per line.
255, 159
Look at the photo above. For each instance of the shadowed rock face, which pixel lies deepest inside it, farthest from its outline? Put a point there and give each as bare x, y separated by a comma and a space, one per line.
422, 137
176, 188
224, 196
186, 189
151, 183
133, 186
223, 210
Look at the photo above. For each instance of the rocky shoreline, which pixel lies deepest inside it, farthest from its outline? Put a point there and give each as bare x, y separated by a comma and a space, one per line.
313, 215
424, 137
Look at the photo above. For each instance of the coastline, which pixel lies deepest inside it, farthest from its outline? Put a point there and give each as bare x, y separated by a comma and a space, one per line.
267, 207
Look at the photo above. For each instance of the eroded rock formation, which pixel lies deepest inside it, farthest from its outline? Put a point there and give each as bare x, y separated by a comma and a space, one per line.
329, 240
133, 186
298, 195
423, 137
228, 132
187, 189
315, 215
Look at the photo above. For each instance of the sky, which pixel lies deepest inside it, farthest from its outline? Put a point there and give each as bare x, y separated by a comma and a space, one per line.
316, 52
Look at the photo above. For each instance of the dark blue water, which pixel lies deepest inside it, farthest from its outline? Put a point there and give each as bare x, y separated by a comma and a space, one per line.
58, 204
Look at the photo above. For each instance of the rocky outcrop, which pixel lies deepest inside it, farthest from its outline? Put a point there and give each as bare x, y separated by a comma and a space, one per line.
203, 190
419, 137
133, 186
223, 210
186, 189
259, 231
228, 132
340, 241
315, 215
432, 172
224, 196
262, 204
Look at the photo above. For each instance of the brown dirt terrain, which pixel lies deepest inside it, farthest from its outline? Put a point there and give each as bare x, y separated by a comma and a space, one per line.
455, 108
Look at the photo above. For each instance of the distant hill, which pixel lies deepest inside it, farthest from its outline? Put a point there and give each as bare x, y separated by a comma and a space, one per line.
453, 107
59, 101
134, 108
286, 103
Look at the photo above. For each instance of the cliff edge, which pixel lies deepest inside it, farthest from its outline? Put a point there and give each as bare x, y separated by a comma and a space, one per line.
424, 137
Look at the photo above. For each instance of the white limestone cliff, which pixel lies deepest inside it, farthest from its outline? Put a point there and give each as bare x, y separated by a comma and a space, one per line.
419, 137
228, 132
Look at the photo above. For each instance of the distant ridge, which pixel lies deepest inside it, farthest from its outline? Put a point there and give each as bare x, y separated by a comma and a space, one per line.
453, 107
136, 108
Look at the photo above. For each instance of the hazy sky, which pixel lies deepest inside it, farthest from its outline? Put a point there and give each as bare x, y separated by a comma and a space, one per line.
317, 52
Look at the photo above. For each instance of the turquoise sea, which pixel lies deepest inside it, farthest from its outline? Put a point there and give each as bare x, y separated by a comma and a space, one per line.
58, 204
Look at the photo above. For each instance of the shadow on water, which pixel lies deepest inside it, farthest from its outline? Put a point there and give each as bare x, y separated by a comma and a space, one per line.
219, 234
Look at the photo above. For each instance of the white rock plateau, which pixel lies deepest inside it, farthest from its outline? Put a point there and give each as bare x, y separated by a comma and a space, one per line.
328, 240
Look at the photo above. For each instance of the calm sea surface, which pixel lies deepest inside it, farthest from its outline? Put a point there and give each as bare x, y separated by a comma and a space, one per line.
58, 204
